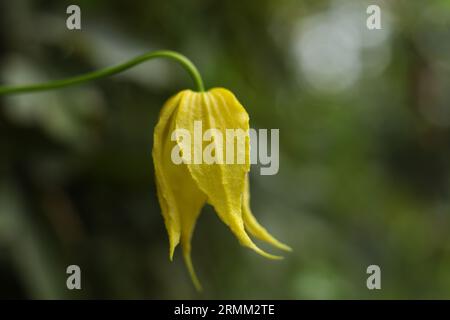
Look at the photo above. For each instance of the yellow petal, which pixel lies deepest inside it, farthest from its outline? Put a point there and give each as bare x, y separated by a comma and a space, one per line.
180, 198
165, 195
252, 225
223, 184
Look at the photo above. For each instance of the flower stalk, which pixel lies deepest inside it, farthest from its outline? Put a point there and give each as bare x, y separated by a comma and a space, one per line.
109, 71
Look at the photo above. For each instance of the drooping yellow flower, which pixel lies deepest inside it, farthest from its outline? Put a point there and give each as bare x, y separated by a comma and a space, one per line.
185, 186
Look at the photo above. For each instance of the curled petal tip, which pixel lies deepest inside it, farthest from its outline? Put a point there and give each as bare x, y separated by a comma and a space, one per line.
238, 229
268, 255
263, 253
192, 274
253, 226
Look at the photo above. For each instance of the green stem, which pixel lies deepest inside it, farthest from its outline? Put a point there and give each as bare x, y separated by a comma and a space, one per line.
185, 63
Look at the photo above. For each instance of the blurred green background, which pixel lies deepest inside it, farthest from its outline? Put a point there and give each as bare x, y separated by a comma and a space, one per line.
364, 119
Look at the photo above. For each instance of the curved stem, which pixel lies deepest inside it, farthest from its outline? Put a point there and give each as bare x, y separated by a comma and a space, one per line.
185, 63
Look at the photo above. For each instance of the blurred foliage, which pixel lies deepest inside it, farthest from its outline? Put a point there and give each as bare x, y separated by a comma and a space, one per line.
364, 120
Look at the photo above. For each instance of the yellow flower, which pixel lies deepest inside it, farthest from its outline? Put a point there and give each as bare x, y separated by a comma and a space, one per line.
184, 188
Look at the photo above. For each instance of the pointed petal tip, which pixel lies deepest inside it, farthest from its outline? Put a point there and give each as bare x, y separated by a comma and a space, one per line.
277, 244
171, 252
284, 247
174, 239
198, 287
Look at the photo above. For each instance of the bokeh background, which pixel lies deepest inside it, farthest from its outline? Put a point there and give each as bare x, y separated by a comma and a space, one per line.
364, 119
